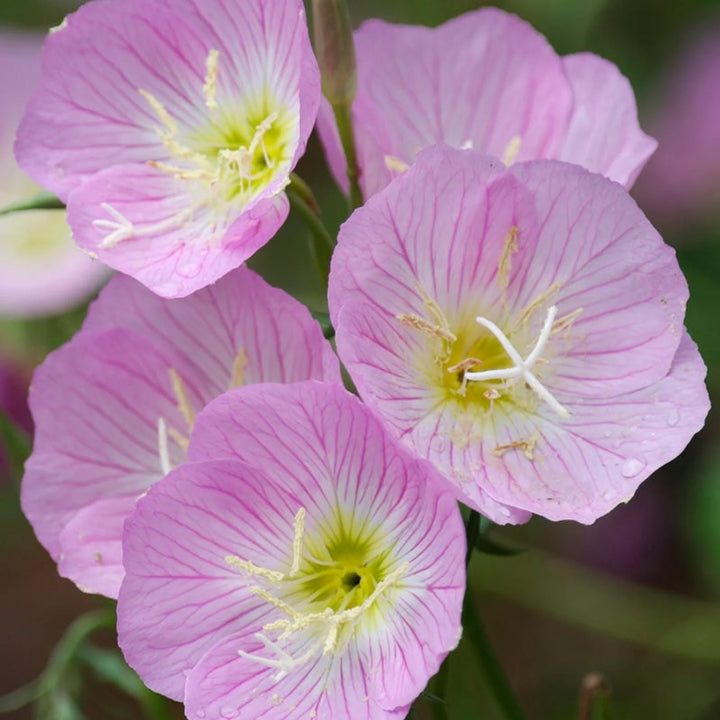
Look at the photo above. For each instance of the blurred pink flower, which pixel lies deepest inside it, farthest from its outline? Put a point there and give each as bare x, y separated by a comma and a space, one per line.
41, 270
487, 81
682, 182
521, 328
114, 408
315, 572
170, 128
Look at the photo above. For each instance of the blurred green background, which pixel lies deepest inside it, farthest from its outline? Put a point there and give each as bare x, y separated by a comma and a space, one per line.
635, 596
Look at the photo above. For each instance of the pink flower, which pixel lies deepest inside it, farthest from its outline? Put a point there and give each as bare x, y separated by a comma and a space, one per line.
170, 128
41, 270
316, 572
115, 407
521, 328
488, 81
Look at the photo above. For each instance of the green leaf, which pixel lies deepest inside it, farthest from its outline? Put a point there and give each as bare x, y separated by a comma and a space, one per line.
16, 444
325, 324
41, 201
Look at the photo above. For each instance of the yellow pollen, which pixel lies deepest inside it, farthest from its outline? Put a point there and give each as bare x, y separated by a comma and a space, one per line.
252, 569
510, 247
161, 112
426, 326
526, 446
538, 301
180, 392
212, 63
297, 542
511, 150
566, 321
395, 164
240, 365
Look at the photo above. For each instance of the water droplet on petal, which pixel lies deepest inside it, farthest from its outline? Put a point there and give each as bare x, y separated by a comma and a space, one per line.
190, 270
631, 467
673, 418
608, 495
200, 714
228, 712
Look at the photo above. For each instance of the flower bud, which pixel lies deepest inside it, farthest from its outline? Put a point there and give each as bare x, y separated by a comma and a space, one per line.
335, 50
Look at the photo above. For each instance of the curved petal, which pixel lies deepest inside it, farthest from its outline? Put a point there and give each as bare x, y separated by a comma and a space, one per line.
239, 330
480, 80
106, 391
584, 467
91, 546
142, 222
604, 135
181, 596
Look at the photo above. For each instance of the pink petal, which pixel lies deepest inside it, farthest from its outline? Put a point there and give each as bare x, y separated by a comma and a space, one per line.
604, 135
180, 596
482, 78
90, 545
174, 249
96, 404
586, 466
240, 315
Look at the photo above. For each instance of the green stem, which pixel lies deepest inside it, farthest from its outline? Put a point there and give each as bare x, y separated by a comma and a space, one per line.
439, 706
494, 673
19, 698
343, 118
472, 532
323, 244
42, 201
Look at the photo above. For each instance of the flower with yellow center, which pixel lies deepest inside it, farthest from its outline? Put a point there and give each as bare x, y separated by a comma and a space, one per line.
315, 572
521, 328
170, 130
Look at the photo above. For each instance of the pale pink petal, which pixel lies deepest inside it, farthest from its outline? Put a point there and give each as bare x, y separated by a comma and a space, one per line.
456, 242
175, 175
479, 80
613, 266
96, 404
604, 135
184, 606
91, 547
172, 248
584, 467
239, 330
180, 596
41, 270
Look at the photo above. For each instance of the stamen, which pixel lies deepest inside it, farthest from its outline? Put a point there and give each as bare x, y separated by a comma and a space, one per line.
512, 150
161, 112
183, 403
521, 368
239, 367
505, 263
297, 542
123, 229
163, 451
426, 326
395, 164
252, 569
212, 63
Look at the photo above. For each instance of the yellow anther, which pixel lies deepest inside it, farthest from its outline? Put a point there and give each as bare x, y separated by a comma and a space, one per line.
161, 112
511, 150
510, 247
527, 447
212, 64
297, 542
183, 402
240, 364
395, 164
539, 301
426, 326
252, 569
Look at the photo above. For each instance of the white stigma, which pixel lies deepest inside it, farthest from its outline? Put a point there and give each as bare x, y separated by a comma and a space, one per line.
521, 368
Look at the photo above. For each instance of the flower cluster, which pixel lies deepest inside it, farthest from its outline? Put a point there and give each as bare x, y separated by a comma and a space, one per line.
512, 322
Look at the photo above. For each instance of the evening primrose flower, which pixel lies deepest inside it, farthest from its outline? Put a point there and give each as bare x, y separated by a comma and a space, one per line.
485, 80
316, 570
42, 271
522, 328
170, 129
115, 407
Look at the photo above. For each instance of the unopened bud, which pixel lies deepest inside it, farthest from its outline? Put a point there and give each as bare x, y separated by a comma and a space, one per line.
335, 50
